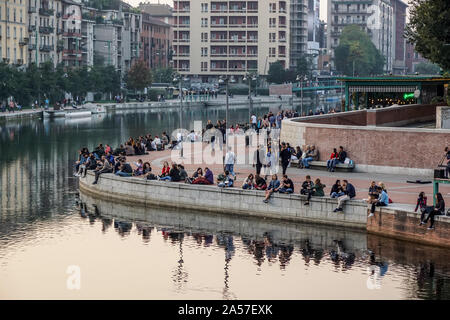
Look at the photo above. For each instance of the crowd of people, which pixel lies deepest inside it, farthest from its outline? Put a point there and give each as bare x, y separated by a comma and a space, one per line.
104, 159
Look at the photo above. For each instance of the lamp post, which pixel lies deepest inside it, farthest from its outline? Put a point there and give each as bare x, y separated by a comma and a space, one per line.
250, 78
301, 79
226, 80
180, 94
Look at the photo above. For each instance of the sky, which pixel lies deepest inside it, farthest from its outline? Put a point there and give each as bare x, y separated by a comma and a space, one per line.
323, 5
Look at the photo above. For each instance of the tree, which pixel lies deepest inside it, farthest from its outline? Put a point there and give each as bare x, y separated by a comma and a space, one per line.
429, 30
356, 54
303, 67
139, 76
427, 68
163, 75
276, 74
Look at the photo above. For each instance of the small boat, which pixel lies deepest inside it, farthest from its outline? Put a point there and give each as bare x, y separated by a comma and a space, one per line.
95, 108
78, 113
75, 113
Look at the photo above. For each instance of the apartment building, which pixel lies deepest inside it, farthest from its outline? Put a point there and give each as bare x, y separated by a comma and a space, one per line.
44, 28
298, 30
213, 38
13, 31
376, 17
155, 42
117, 36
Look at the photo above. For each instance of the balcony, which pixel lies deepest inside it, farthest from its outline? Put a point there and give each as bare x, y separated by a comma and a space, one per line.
219, 25
46, 30
19, 62
219, 10
183, 25
73, 33
218, 40
31, 28
183, 10
59, 31
31, 47
31, 9
46, 12
59, 14
59, 47
23, 42
46, 48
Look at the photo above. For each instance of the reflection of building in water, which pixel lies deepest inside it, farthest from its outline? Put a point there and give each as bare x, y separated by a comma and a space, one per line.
14, 186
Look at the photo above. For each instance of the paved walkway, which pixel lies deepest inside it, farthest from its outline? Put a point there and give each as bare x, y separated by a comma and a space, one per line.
399, 190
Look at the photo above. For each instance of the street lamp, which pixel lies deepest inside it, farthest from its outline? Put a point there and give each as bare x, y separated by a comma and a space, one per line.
250, 78
226, 80
301, 79
180, 79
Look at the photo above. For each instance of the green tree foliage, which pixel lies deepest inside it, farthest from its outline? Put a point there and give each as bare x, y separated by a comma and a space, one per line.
163, 75
357, 50
104, 4
304, 66
427, 68
139, 76
34, 83
278, 75
429, 30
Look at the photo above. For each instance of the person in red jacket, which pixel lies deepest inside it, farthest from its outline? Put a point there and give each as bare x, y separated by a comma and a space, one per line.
333, 156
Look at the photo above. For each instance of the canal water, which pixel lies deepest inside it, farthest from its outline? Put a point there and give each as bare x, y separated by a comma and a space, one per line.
57, 244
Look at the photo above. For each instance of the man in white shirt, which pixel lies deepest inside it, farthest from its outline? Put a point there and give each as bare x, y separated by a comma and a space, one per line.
253, 119
230, 160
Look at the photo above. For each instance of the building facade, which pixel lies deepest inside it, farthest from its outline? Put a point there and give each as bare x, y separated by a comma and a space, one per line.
13, 31
298, 31
156, 48
399, 63
230, 37
376, 17
117, 36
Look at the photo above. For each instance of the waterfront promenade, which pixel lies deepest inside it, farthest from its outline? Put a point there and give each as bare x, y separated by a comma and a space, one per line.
399, 190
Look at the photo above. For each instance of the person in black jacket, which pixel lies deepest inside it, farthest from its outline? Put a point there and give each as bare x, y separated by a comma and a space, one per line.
307, 189
350, 193
439, 209
447, 156
285, 156
259, 154
340, 159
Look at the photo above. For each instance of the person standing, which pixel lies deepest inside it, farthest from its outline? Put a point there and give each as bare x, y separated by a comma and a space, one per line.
285, 156
259, 153
230, 160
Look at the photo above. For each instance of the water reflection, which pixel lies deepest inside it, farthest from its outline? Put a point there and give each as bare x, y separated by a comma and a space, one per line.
277, 243
37, 198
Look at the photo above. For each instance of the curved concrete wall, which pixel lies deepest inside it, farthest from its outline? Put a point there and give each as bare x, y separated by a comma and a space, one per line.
227, 201
390, 150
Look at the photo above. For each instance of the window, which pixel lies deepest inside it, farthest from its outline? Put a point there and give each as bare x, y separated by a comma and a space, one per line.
272, 37
271, 52
204, 52
204, 22
204, 66
204, 37
272, 22
204, 7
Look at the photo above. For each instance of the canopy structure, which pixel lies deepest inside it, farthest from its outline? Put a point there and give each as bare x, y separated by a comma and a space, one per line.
388, 90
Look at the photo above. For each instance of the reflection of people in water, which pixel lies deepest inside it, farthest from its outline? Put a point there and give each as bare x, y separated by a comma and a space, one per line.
348, 258
306, 251
226, 241
144, 230
123, 227
285, 255
106, 223
271, 248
